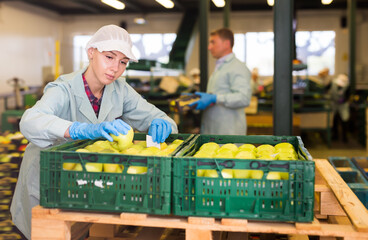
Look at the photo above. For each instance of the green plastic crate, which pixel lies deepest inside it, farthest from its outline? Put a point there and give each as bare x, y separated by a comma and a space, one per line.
102, 191
260, 199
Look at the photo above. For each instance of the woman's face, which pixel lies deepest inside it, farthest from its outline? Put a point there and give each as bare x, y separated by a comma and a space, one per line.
107, 66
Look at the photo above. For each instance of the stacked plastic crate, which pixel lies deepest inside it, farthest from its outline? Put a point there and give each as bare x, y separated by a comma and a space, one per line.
354, 173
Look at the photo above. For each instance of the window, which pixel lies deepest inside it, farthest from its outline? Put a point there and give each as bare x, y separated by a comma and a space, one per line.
315, 48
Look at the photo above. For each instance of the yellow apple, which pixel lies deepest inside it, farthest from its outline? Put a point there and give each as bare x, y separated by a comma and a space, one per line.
173, 146
227, 173
231, 146
247, 146
68, 166
131, 151
103, 144
163, 145
78, 167
284, 145
265, 147
211, 146
200, 172
203, 154
94, 167
139, 147
120, 169
245, 155
124, 141
150, 151
109, 150
93, 148
267, 156
212, 173
165, 152
110, 167
256, 174
242, 173
273, 176
287, 156
137, 170
225, 153
284, 175
82, 150
177, 141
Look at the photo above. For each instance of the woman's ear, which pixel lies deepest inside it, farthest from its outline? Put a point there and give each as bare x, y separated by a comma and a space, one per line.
90, 53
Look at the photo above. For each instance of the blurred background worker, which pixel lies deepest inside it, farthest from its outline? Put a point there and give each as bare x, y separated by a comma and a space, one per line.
90, 103
228, 89
338, 91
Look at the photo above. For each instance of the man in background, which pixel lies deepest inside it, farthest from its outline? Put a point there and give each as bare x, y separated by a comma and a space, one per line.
228, 89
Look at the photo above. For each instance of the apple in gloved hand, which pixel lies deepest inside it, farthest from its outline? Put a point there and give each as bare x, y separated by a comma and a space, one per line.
124, 141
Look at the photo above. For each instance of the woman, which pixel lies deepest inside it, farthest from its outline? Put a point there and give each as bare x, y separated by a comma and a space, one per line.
86, 104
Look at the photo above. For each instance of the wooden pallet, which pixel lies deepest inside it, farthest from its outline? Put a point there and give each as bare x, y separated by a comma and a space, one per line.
339, 213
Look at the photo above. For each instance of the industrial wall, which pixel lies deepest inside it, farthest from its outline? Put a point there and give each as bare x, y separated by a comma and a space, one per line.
28, 34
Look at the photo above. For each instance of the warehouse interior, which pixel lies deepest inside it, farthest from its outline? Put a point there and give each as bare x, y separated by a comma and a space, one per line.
43, 39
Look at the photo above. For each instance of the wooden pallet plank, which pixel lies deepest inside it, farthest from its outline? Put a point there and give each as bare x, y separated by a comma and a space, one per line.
50, 229
196, 234
315, 225
351, 204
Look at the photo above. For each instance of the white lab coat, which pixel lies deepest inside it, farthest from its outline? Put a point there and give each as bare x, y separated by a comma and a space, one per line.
231, 83
64, 102
339, 104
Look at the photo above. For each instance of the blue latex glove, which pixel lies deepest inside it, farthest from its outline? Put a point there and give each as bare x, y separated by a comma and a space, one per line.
159, 130
92, 131
206, 100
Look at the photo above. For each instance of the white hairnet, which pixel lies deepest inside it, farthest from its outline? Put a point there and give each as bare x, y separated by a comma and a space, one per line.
342, 80
112, 38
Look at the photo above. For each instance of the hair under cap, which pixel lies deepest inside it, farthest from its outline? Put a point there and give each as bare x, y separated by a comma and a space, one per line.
112, 38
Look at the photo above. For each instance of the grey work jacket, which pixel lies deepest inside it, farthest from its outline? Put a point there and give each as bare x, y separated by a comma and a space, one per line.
231, 83
64, 102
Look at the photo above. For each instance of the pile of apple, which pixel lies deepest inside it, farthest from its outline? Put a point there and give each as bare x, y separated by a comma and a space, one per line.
122, 144
281, 151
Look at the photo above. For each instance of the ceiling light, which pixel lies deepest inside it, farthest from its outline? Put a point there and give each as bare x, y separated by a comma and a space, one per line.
166, 3
219, 3
140, 20
114, 3
326, 2
272, 2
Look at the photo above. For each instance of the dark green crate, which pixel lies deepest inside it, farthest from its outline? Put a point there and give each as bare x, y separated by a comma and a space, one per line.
120, 192
362, 164
260, 199
354, 177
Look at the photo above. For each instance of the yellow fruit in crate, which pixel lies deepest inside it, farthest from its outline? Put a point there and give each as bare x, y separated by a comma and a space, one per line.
93, 148
177, 141
94, 167
82, 150
247, 146
150, 151
165, 152
200, 172
137, 170
284, 175
103, 144
78, 167
173, 146
231, 146
287, 156
131, 151
242, 173
265, 148
210, 146
124, 141
273, 176
163, 145
267, 156
211, 173
256, 174
224, 153
203, 154
139, 147
245, 155
227, 173
69, 166
284, 145
120, 169
110, 150
110, 167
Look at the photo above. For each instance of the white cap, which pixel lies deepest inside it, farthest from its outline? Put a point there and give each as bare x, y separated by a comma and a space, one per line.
194, 71
112, 38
